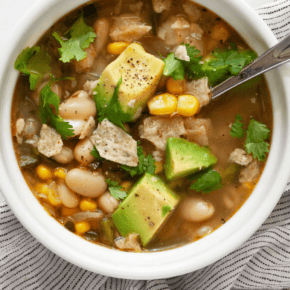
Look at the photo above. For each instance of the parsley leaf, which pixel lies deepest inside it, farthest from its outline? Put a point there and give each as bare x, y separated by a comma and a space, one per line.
112, 111
237, 130
34, 62
206, 181
173, 67
116, 189
81, 35
255, 143
96, 154
146, 164
165, 210
46, 98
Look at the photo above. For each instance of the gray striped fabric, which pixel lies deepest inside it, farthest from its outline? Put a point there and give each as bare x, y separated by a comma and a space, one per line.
262, 262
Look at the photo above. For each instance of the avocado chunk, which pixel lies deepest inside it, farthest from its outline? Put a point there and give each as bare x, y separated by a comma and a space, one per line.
184, 158
140, 72
146, 208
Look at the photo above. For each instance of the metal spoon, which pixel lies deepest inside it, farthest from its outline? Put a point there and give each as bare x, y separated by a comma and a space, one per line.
272, 58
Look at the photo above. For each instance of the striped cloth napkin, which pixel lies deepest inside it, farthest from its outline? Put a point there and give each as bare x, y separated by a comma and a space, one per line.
261, 262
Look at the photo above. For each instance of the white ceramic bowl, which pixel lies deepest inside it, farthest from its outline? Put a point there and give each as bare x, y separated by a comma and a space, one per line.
159, 264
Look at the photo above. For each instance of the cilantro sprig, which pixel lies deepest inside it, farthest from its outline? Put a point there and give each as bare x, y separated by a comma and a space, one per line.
116, 189
224, 63
112, 111
78, 38
257, 134
219, 66
173, 67
34, 62
146, 164
237, 128
206, 181
177, 68
47, 98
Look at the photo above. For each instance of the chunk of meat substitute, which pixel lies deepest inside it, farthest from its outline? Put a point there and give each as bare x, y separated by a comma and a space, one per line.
158, 129
250, 173
198, 130
240, 157
199, 89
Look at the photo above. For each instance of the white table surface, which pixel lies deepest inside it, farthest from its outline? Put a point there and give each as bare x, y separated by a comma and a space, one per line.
12, 10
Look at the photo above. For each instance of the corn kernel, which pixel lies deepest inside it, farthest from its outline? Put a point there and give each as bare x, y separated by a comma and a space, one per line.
117, 48
187, 105
126, 185
42, 188
82, 227
164, 104
87, 204
175, 87
68, 211
53, 198
43, 172
159, 167
60, 173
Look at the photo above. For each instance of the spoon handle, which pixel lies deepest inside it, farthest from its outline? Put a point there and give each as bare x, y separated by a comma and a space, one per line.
272, 58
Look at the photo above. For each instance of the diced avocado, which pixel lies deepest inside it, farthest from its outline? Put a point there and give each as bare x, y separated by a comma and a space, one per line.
140, 72
184, 158
146, 208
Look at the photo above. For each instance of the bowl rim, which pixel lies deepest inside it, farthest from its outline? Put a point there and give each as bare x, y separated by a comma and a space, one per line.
115, 263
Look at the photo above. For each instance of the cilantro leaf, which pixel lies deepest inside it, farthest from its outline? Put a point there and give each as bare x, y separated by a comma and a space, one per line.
116, 189
146, 164
165, 210
255, 143
34, 62
206, 181
192, 68
46, 98
173, 67
80, 37
112, 111
177, 68
96, 154
226, 63
237, 130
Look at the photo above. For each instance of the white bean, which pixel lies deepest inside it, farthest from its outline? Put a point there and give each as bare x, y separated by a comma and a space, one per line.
107, 203
196, 210
31, 127
82, 151
67, 196
204, 231
65, 156
86, 183
101, 27
77, 125
78, 107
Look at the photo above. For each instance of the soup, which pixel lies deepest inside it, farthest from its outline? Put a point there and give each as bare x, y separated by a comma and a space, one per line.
115, 131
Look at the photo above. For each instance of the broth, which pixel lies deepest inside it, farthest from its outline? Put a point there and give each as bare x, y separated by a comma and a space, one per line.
250, 100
